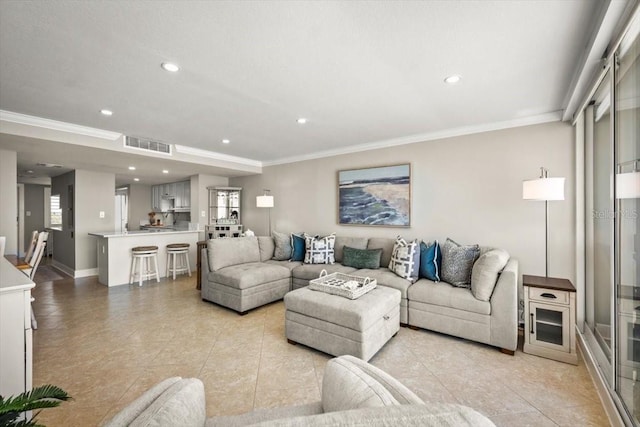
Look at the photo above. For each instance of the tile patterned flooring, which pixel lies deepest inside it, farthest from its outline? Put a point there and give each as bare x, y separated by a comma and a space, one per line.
105, 346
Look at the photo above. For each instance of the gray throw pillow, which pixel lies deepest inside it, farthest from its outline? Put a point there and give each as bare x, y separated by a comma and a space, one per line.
361, 258
457, 263
283, 246
484, 274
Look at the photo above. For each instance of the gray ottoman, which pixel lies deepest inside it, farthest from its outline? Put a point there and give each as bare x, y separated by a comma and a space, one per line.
337, 325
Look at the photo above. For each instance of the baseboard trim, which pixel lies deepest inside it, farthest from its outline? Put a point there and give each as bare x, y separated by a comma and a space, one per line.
615, 419
86, 273
74, 273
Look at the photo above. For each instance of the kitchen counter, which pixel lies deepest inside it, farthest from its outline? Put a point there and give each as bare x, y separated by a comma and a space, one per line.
114, 251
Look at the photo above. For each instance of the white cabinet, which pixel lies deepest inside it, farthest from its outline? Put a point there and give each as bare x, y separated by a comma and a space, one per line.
179, 192
16, 342
550, 307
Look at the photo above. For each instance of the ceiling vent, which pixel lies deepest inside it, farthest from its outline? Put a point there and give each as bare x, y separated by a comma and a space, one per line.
147, 144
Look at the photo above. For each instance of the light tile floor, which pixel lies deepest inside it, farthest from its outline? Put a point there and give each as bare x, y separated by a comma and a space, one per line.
105, 346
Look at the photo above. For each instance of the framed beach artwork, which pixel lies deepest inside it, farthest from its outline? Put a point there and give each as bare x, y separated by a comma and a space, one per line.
375, 196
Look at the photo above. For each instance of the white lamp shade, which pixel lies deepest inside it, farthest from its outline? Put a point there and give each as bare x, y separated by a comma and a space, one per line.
543, 189
264, 201
628, 185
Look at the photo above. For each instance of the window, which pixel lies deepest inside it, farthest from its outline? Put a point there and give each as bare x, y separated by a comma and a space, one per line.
56, 211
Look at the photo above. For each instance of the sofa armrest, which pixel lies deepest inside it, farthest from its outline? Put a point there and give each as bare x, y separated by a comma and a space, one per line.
174, 401
504, 308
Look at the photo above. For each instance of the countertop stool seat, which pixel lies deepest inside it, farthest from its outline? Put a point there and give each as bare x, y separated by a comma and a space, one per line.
141, 266
178, 259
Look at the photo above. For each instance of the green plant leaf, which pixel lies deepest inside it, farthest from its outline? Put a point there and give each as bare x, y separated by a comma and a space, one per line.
46, 396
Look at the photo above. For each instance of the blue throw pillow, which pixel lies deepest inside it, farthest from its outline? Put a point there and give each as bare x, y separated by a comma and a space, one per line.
298, 246
430, 261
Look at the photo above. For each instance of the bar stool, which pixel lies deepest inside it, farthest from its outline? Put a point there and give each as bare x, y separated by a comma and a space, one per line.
178, 259
141, 257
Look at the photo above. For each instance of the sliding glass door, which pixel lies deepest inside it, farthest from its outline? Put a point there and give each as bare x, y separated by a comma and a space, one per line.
600, 225
627, 225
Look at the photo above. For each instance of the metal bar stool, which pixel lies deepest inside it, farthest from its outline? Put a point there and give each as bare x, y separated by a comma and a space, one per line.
141, 257
178, 259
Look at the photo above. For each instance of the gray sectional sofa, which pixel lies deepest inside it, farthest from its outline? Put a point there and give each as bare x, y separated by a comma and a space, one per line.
240, 274
353, 393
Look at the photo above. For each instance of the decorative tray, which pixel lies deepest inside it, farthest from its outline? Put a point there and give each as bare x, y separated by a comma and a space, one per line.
344, 285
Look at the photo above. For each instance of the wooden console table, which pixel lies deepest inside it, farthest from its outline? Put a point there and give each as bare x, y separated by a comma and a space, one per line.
202, 244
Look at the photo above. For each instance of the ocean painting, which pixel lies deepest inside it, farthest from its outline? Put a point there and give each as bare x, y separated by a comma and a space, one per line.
375, 196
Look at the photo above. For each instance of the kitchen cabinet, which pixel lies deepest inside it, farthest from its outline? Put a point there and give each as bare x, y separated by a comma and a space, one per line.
180, 192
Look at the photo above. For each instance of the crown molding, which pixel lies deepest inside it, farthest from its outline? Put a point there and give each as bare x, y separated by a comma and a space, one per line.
554, 116
183, 149
25, 119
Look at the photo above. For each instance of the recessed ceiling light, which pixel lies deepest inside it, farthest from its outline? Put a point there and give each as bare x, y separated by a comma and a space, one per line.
168, 66
132, 168
165, 171
301, 120
106, 112
453, 79
136, 179
29, 171
225, 141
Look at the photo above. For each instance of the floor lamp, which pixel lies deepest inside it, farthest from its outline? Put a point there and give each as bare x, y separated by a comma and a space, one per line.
544, 189
265, 201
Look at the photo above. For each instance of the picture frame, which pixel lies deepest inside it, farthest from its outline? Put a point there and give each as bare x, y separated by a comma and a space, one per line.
375, 196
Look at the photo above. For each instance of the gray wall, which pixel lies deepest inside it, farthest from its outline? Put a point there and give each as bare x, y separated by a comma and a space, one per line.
95, 193
9, 200
64, 250
468, 188
139, 204
33, 211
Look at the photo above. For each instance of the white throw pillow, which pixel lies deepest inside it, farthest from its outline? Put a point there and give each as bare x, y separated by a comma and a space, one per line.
320, 250
405, 259
484, 274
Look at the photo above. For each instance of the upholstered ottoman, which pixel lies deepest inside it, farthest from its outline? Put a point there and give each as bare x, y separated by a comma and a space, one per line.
337, 325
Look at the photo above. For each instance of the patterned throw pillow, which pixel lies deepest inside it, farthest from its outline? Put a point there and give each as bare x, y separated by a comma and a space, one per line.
297, 247
405, 259
362, 258
430, 261
457, 263
319, 250
283, 246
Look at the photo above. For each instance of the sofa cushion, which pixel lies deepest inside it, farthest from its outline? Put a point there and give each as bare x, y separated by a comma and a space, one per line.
387, 248
297, 247
248, 275
457, 262
352, 242
312, 271
319, 250
181, 403
346, 385
387, 278
289, 265
484, 274
430, 261
362, 258
405, 259
225, 252
267, 246
283, 248
445, 295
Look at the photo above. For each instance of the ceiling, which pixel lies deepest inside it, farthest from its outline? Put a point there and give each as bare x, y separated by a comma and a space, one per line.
360, 72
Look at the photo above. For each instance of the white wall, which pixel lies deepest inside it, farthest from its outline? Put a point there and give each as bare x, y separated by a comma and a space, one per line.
9, 200
468, 188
